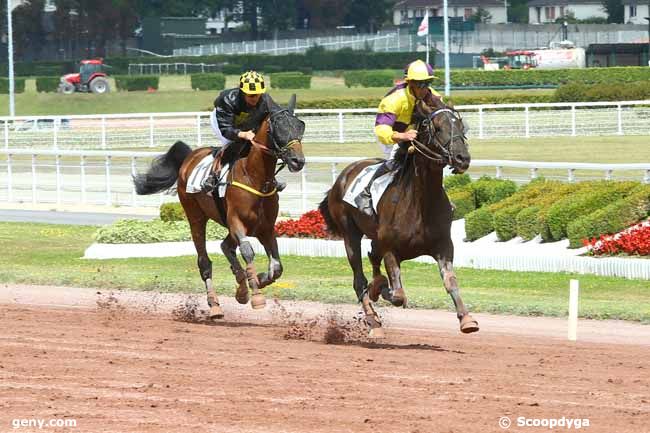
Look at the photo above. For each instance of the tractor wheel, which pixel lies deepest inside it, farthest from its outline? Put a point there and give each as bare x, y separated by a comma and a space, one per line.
66, 88
100, 85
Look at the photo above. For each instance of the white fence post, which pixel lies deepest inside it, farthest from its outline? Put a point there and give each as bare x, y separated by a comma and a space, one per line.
571, 175
199, 142
59, 186
6, 134
480, 122
527, 121
646, 178
10, 193
303, 189
619, 116
103, 132
151, 143
34, 179
133, 173
499, 173
341, 136
573, 120
83, 179
333, 172
533, 173
108, 180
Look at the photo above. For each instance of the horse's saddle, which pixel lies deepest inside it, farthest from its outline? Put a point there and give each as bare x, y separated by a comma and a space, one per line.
203, 169
377, 188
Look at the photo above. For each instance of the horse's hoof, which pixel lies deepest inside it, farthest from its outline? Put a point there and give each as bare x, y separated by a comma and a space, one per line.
258, 301
376, 333
468, 325
398, 298
242, 296
216, 312
377, 287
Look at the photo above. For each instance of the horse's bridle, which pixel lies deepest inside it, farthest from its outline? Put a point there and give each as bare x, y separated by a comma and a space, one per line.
441, 153
281, 151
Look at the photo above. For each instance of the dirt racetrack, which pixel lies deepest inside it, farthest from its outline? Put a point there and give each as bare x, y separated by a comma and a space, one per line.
130, 362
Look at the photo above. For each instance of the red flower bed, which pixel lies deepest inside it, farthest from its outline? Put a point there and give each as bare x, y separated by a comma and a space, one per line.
632, 241
309, 225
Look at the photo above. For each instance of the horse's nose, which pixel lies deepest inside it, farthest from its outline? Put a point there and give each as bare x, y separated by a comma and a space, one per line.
296, 162
462, 159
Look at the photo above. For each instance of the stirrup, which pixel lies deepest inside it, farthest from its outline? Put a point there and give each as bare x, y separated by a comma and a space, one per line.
210, 183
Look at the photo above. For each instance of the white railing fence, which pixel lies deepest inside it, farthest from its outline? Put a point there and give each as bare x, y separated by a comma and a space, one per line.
133, 131
104, 177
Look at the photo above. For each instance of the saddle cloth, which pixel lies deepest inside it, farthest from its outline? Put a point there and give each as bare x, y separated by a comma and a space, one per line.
201, 171
376, 190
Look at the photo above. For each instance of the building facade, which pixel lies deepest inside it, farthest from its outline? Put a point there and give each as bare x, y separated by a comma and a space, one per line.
547, 11
636, 11
409, 11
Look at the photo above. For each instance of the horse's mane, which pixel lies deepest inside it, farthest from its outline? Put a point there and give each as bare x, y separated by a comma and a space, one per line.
404, 159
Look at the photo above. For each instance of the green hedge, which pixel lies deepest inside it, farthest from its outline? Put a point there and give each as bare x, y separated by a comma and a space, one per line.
136, 82
375, 78
463, 199
488, 190
290, 80
456, 181
47, 84
19, 85
138, 231
214, 81
232, 69
576, 92
172, 212
612, 218
574, 206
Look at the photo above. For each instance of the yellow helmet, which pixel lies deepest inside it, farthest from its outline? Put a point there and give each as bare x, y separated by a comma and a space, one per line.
252, 83
419, 71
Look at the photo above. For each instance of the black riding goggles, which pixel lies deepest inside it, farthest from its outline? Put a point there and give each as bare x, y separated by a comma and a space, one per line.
422, 84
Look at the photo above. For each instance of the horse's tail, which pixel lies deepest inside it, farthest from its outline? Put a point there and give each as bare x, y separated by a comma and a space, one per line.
163, 172
324, 209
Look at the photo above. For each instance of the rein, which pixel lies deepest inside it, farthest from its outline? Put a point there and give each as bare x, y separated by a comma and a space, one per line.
441, 155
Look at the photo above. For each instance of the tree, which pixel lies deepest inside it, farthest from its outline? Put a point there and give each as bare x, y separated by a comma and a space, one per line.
614, 10
517, 11
29, 34
481, 16
369, 15
277, 14
325, 14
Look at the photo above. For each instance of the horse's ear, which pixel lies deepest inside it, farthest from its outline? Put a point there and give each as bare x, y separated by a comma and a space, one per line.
292, 104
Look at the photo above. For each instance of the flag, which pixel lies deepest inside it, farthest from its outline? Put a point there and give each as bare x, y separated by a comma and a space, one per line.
423, 30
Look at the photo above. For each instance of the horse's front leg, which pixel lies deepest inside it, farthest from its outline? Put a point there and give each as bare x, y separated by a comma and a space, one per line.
398, 295
270, 244
379, 284
229, 248
246, 250
467, 322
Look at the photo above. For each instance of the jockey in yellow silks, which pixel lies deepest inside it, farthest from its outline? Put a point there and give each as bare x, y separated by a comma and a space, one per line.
393, 124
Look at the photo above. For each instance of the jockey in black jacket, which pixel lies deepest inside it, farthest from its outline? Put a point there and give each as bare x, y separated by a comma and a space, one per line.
237, 113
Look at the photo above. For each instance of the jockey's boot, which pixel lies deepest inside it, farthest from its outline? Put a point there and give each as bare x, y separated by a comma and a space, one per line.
209, 183
364, 200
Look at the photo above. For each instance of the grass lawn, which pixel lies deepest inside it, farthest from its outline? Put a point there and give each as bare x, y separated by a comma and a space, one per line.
175, 95
50, 254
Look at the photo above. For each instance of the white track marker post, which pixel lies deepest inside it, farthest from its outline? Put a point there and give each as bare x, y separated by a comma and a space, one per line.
574, 287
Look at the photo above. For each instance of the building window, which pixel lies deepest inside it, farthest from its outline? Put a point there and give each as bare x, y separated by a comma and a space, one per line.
632, 11
434, 12
419, 13
468, 13
549, 13
562, 11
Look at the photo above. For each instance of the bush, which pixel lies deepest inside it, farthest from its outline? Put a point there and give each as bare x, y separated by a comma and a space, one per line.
138, 231
463, 199
456, 181
232, 69
575, 92
172, 212
574, 206
270, 69
215, 81
611, 219
488, 190
478, 223
139, 82
526, 222
47, 84
290, 80
19, 85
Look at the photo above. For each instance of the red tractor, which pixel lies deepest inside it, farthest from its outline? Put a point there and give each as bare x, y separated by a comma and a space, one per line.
90, 78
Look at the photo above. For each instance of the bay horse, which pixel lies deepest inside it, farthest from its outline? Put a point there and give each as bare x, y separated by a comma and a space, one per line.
413, 217
250, 205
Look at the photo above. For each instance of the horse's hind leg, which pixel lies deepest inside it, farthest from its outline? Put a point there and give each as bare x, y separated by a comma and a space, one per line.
229, 249
352, 240
467, 322
198, 223
398, 296
379, 284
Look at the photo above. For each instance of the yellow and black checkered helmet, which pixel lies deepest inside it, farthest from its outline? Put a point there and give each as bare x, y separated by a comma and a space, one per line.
252, 83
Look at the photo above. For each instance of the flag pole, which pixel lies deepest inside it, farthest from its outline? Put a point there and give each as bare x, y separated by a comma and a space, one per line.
446, 30
427, 48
